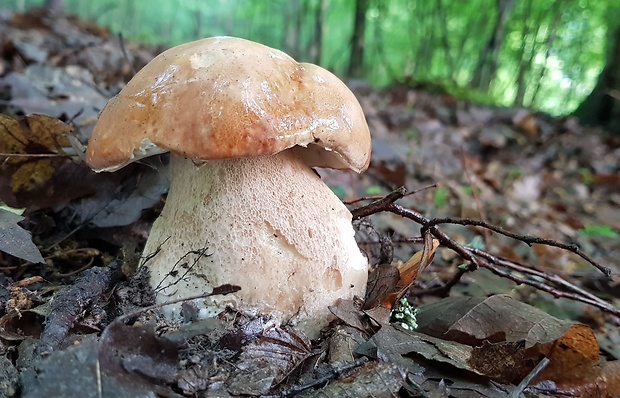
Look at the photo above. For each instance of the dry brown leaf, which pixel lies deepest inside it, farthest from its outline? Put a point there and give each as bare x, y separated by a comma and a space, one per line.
601, 381
267, 361
373, 379
31, 151
510, 337
388, 283
33, 135
571, 354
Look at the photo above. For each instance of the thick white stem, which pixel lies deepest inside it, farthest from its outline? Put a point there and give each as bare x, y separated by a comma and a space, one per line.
267, 224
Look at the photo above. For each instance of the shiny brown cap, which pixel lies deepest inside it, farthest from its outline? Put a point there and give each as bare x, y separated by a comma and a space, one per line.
225, 97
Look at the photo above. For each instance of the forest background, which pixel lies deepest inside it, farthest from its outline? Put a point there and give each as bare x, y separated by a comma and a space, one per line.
556, 56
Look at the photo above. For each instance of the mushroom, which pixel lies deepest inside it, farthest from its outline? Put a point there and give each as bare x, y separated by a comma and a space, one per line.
244, 124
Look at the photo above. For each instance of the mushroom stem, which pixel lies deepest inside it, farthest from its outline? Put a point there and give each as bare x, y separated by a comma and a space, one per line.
268, 224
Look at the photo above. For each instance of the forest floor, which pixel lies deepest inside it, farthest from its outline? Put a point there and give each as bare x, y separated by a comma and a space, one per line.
69, 326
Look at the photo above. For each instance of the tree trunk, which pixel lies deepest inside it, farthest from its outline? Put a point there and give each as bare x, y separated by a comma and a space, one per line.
316, 44
556, 8
602, 106
444, 35
485, 70
356, 59
525, 61
197, 24
55, 7
293, 22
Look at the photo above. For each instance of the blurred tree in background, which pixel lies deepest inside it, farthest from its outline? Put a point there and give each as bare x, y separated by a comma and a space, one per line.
545, 54
602, 106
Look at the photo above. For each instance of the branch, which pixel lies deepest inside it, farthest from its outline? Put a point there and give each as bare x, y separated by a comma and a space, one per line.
527, 239
552, 284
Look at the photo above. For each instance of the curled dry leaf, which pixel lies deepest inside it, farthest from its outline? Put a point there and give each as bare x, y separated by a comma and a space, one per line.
388, 283
510, 337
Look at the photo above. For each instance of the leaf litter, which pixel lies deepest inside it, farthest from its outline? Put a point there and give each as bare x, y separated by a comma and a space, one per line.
523, 171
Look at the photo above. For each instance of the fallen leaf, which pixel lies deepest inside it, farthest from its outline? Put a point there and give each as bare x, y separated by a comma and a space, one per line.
373, 379
15, 240
510, 337
80, 371
32, 149
135, 355
388, 283
267, 361
399, 346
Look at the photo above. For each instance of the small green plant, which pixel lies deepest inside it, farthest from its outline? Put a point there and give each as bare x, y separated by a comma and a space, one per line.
339, 191
374, 190
441, 197
515, 172
477, 243
603, 231
586, 176
404, 315
469, 190
411, 134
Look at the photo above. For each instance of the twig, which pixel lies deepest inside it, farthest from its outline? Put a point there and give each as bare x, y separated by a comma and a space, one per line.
219, 290
552, 284
121, 42
418, 239
527, 239
555, 279
69, 303
320, 382
516, 393
379, 197
479, 207
444, 289
378, 205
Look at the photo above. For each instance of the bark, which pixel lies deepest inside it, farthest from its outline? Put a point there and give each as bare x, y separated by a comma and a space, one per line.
525, 61
55, 7
602, 106
197, 24
424, 54
444, 35
316, 45
485, 70
557, 15
356, 58
293, 24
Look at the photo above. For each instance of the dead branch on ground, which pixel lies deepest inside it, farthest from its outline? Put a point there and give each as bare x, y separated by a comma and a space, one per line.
514, 271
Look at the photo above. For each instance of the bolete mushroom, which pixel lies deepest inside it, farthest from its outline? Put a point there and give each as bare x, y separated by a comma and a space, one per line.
244, 124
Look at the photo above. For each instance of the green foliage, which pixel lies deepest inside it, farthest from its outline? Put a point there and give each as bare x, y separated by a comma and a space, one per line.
374, 190
549, 57
467, 189
602, 231
411, 134
586, 176
440, 199
477, 243
404, 315
514, 173
339, 191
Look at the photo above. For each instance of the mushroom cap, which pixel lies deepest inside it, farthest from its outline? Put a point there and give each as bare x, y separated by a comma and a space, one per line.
225, 97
